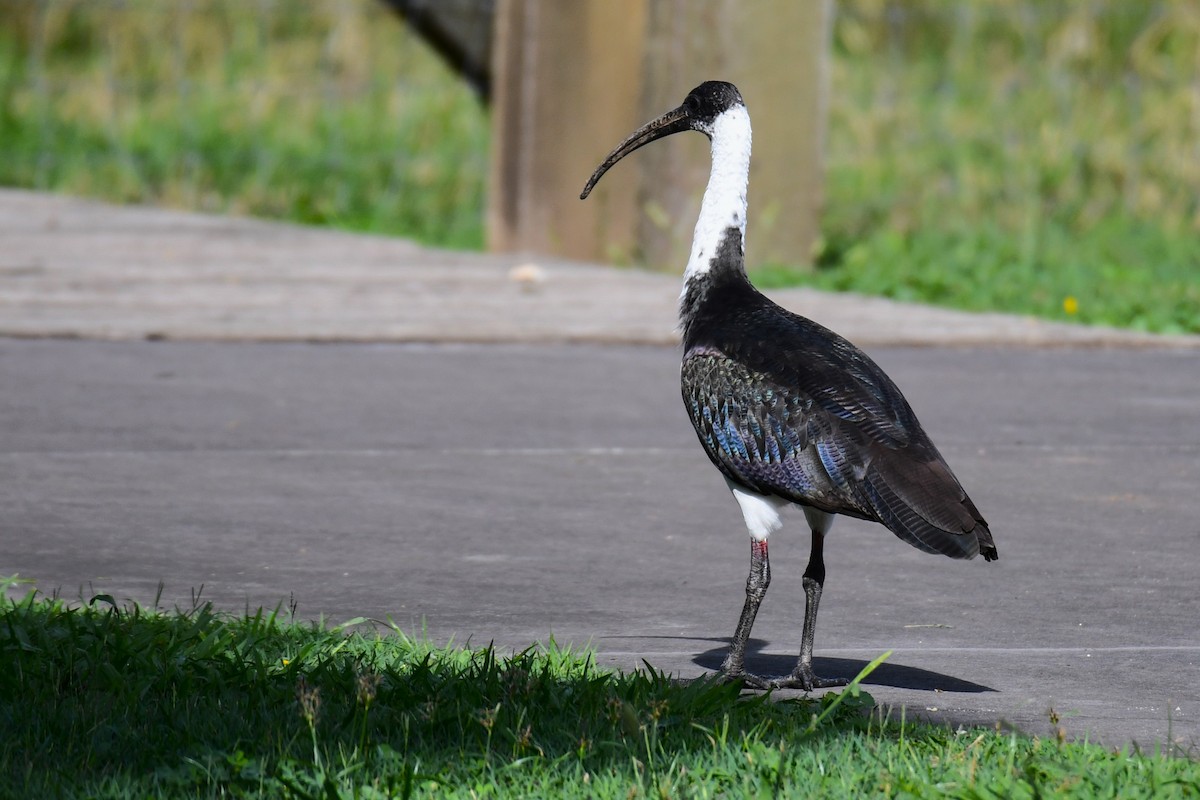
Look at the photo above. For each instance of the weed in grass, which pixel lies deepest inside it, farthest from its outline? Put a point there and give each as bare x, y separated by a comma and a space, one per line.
115, 702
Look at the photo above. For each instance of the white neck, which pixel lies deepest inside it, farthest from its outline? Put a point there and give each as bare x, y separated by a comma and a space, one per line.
724, 204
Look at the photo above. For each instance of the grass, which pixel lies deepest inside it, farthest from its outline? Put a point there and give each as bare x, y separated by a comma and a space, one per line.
1036, 158
322, 113
104, 701
1030, 157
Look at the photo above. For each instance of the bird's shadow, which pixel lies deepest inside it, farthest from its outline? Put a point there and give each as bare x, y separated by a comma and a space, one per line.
888, 673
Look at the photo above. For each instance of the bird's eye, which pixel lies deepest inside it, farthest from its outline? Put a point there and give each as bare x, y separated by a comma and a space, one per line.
692, 103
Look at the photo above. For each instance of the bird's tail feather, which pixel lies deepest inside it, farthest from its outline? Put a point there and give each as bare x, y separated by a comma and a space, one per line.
912, 506
987, 548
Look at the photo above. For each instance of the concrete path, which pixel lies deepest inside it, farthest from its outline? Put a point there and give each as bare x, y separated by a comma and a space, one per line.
511, 492
74, 268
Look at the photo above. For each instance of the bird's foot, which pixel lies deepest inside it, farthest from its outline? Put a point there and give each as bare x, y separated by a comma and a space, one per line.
745, 679
804, 678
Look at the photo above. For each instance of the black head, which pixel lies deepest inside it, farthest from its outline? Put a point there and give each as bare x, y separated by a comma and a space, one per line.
700, 109
710, 99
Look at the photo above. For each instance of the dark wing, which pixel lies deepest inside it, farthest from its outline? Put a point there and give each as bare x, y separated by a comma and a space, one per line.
832, 433
759, 434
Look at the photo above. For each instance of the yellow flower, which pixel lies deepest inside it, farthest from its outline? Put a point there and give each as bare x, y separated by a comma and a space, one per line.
1070, 304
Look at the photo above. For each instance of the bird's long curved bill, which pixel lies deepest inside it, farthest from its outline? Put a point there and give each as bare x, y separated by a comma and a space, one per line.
671, 122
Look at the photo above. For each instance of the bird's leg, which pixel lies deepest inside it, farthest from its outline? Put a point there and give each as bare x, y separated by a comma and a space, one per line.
734, 666
802, 676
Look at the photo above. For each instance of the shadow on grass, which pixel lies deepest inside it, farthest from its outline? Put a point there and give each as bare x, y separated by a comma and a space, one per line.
196, 702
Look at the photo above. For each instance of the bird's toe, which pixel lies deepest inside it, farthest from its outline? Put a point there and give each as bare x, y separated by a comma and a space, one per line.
806, 680
745, 679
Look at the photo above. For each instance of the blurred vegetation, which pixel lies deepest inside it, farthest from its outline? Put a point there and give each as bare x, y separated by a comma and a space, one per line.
1031, 157
330, 113
1038, 157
